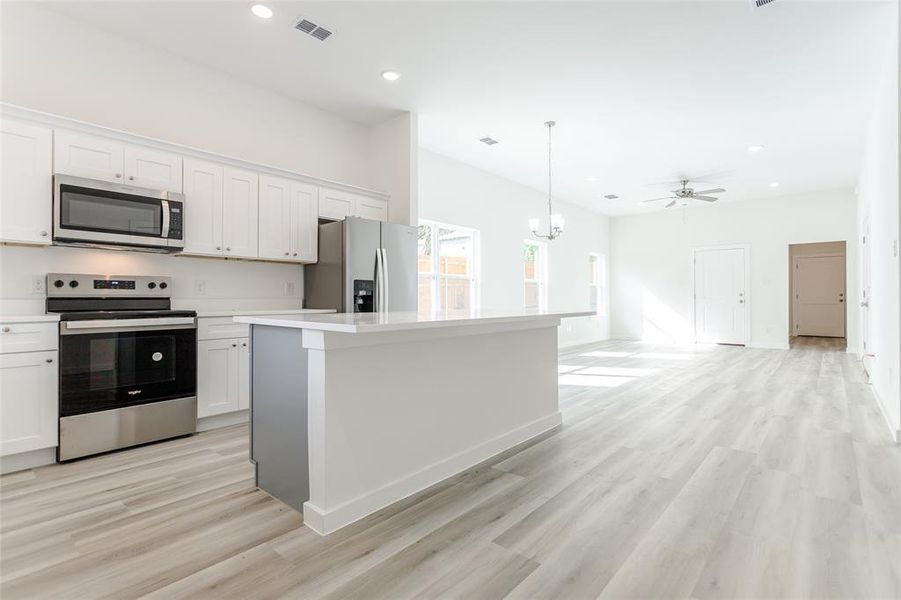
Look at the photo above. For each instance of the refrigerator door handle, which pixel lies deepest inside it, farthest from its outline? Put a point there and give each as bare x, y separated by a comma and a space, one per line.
379, 281
385, 275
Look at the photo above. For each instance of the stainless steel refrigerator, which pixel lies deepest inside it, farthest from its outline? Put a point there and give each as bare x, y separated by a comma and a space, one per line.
364, 266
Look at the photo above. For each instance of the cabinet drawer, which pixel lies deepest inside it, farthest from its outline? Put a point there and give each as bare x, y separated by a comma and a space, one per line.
28, 337
218, 328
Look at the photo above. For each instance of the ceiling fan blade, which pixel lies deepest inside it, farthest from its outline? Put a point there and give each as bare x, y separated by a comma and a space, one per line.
673, 203
656, 199
705, 198
713, 191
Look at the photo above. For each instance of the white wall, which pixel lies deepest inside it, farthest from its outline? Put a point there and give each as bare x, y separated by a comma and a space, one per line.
878, 193
651, 262
455, 193
59, 65
393, 146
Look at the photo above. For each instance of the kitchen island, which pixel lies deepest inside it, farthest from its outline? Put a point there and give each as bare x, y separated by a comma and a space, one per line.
351, 412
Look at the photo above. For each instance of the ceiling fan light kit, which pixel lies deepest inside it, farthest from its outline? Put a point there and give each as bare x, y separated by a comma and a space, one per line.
555, 221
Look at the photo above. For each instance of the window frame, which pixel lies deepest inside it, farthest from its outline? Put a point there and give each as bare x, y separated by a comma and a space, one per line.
474, 277
541, 270
600, 282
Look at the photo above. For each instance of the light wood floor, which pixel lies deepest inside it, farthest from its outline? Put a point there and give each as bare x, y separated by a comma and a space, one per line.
807, 342
715, 473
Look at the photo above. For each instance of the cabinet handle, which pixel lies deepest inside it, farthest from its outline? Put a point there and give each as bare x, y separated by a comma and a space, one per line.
227, 249
6, 330
43, 233
118, 175
295, 254
49, 360
234, 345
286, 253
218, 247
244, 344
131, 177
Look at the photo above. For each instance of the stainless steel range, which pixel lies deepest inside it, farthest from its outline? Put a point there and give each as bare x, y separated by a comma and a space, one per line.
127, 362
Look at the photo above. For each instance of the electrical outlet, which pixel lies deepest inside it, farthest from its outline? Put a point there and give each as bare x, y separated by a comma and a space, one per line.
38, 285
200, 287
289, 288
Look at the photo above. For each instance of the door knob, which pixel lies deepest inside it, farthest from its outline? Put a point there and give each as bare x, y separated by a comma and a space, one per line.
43, 234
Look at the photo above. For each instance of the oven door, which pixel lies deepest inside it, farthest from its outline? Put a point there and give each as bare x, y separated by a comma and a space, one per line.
103, 368
86, 210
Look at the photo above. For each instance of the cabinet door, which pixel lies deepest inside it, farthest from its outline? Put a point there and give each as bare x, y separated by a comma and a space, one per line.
88, 156
154, 169
372, 208
28, 401
26, 162
217, 377
240, 213
243, 374
275, 218
203, 208
334, 204
304, 221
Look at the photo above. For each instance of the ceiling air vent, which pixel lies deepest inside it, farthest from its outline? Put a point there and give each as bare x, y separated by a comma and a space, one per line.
488, 141
760, 3
611, 197
311, 28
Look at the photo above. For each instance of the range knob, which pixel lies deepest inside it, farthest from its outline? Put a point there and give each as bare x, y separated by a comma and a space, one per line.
59, 283
151, 285
163, 285
73, 284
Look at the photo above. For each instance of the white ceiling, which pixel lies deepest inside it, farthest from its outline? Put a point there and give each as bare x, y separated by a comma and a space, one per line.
642, 92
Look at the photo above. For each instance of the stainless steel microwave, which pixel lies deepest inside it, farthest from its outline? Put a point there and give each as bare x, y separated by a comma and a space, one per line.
92, 212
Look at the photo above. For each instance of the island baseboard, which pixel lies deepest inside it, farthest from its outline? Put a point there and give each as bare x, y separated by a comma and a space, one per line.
324, 523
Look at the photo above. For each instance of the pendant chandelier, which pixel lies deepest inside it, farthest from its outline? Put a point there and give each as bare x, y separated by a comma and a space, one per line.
555, 221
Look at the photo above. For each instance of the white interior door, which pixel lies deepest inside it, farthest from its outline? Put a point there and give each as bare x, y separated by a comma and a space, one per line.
720, 307
820, 296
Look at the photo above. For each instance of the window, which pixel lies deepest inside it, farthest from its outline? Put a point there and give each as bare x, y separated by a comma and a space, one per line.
447, 265
597, 279
534, 275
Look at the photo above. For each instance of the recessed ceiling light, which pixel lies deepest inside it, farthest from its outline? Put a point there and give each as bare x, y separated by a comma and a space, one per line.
261, 10
390, 75
755, 148
774, 184
591, 179
488, 141
611, 197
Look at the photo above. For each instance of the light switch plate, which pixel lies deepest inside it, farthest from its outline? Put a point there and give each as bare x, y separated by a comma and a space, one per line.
38, 284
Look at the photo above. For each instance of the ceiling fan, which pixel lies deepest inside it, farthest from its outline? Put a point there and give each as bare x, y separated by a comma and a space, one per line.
683, 195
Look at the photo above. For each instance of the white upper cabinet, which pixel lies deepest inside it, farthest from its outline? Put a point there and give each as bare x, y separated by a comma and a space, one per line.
334, 204
110, 160
203, 207
240, 203
275, 218
26, 163
88, 156
154, 169
338, 204
304, 222
372, 208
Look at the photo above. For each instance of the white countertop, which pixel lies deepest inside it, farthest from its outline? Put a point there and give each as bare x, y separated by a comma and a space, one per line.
398, 321
30, 319
271, 311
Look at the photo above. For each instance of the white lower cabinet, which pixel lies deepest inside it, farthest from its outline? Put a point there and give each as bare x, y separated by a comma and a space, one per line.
28, 401
218, 376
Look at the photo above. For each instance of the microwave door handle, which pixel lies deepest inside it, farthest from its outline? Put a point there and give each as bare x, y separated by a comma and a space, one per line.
165, 232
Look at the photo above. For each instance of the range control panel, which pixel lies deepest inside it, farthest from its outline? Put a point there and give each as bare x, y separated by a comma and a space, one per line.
73, 285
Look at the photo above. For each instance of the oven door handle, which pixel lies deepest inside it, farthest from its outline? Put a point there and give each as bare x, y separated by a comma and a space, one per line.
94, 326
165, 232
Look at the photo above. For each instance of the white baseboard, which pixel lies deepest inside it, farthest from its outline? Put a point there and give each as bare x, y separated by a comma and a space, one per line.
769, 345
224, 420
326, 522
27, 460
894, 433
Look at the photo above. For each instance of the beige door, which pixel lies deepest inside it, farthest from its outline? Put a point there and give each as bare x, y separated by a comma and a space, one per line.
820, 296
